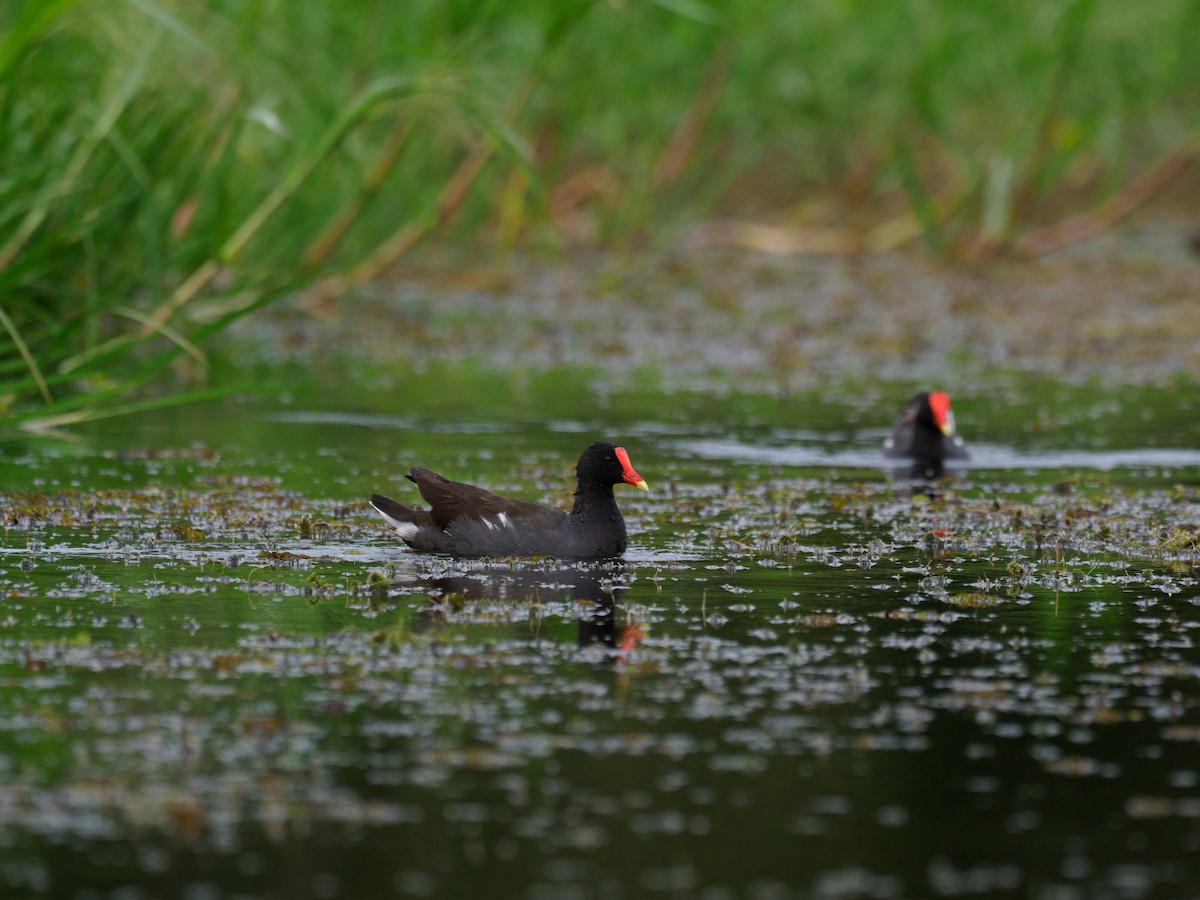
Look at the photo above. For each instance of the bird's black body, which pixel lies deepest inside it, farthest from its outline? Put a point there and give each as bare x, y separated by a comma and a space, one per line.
925, 432
464, 520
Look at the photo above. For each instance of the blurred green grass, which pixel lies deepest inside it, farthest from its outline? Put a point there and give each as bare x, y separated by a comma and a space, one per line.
171, 165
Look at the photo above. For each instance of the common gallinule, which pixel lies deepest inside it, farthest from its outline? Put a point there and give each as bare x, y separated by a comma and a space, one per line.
464, 520
925, 432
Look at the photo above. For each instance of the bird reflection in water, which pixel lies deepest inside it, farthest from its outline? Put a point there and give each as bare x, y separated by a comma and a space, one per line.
927, 481
592, 589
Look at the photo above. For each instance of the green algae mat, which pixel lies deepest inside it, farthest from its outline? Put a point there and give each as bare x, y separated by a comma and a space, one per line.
222, 676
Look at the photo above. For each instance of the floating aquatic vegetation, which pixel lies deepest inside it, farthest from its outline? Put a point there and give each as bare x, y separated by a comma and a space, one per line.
213, 669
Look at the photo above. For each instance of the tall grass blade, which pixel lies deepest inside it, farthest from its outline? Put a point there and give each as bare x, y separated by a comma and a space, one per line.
31, 22
921, 200
294, 178
165, 330
23, 349
79, 159
172, 23
45, 423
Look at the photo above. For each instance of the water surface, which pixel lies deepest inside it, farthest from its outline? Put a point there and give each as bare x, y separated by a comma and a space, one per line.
808, 677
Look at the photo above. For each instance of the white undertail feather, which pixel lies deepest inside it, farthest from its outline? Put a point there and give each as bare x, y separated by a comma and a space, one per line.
406, 530
504, 521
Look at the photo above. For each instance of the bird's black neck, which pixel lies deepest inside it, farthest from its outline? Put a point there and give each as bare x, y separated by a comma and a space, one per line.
594, 501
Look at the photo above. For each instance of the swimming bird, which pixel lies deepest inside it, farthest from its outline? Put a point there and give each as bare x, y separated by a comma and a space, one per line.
464, 520
925, 432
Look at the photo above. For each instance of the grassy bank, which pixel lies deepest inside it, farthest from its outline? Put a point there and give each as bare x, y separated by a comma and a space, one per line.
171, 166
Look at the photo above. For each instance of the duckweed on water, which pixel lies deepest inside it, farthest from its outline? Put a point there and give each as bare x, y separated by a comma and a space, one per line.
223, 676
799, 682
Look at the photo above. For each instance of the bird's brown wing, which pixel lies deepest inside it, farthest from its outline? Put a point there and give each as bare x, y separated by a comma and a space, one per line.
900, 442
449, 500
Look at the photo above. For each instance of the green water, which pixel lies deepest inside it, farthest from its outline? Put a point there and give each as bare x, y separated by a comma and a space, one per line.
223, 677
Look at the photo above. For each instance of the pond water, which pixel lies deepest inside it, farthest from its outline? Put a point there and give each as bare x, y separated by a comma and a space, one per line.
808, 678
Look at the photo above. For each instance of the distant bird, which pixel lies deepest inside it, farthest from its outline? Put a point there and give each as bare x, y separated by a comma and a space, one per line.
464, 520
925, 433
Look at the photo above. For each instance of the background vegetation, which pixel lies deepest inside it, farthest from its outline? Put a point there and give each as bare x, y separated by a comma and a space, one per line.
170, 165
